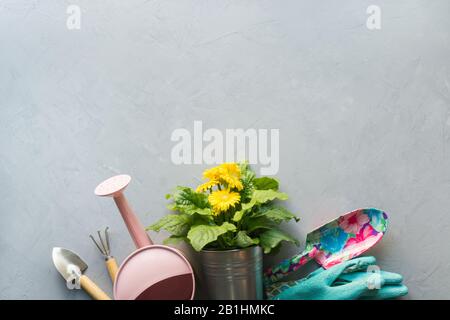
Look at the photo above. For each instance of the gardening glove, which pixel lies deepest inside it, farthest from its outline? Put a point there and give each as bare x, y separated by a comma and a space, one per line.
392, 288
329, 285
390, 278
319, 284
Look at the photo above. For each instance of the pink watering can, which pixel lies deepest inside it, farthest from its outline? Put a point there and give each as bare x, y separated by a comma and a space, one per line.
152, 271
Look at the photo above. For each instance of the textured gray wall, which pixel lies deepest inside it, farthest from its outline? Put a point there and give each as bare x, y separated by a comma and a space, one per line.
364, 119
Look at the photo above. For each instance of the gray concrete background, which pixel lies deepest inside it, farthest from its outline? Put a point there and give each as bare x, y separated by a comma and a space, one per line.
364, 119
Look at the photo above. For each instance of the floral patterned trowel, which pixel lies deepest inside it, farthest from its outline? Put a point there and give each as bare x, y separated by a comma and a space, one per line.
339, 240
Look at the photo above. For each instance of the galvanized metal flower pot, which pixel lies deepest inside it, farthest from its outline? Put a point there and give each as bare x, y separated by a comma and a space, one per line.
232, 274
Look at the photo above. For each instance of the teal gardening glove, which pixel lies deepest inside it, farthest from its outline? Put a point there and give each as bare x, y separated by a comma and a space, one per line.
392, 288
346, 281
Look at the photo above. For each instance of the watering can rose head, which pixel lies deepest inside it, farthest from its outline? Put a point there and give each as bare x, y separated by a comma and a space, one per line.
232, 209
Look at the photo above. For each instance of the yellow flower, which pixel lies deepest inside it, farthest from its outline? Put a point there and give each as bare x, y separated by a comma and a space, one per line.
222, 200
207, 185
228, 173
213, 173
231, 168
231, 174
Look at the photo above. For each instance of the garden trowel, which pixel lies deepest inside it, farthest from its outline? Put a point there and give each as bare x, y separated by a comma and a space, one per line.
71, 268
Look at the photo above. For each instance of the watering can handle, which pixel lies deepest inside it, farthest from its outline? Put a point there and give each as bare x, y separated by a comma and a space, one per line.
135, 228
287, 266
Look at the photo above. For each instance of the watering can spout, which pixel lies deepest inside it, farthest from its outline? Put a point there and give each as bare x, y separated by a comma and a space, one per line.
135, 228
113, 187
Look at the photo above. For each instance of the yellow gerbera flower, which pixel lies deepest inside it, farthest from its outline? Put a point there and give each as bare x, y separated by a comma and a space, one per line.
222, 200
231, 168
213, 173
233, 182
207, 185
231, 174
228, 173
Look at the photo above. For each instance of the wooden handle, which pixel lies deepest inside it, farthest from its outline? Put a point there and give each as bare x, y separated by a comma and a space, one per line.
112, 267
92, 289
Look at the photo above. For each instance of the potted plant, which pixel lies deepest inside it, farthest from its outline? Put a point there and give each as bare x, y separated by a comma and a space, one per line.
230, 220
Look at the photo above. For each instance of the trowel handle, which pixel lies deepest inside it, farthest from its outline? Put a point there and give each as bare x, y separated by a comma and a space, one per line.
135, 228
287, 266
92, 289
112, 267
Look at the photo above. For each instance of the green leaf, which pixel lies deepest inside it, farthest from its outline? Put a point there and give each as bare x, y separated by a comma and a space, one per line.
186, 200
202, 219
238, 215
275, 213
244, 167
185, 196
242, 240
247, 177
258, 197
263, 196
191, 209
201, 235
203, 211
176, 224
271, 238
245, 207
175, 239
254, 224
266, 183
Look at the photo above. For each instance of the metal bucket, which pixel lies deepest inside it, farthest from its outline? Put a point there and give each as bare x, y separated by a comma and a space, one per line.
232, 274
